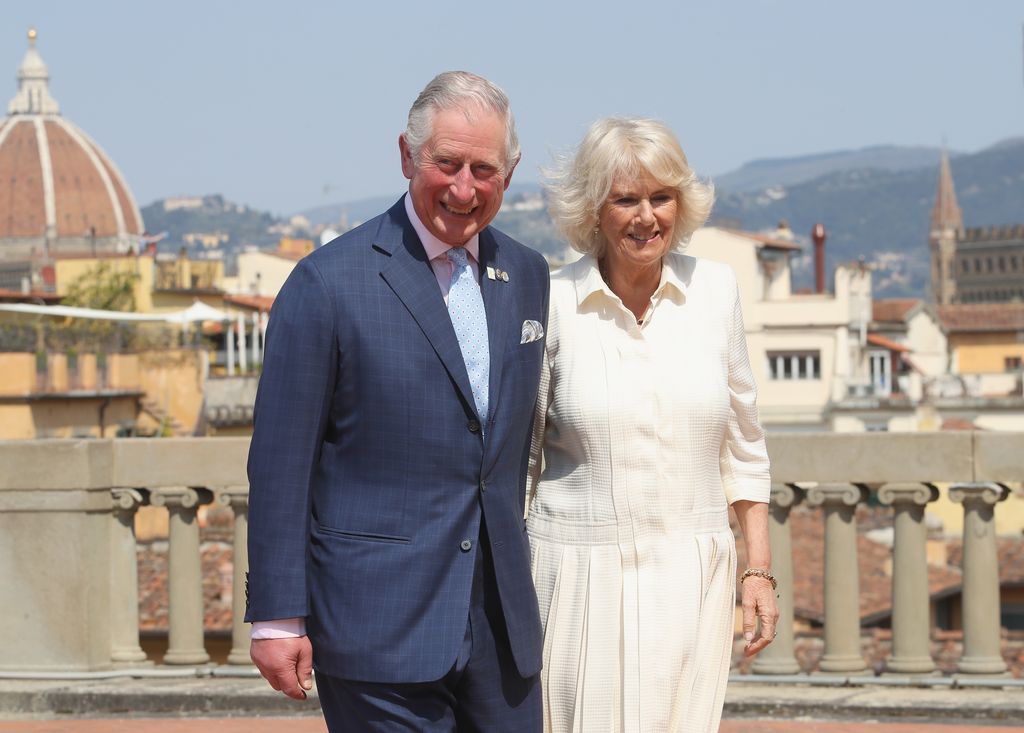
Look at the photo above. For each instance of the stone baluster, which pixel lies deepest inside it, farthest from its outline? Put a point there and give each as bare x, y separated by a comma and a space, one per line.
980, 596
842, 586
124, 580
778, 657
911, 620
237, 498
184, 570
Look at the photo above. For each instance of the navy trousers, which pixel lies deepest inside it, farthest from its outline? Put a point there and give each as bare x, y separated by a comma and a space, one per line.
482, 693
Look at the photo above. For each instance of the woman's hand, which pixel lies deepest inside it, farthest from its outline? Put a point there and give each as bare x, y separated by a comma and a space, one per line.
758, 605
757, 592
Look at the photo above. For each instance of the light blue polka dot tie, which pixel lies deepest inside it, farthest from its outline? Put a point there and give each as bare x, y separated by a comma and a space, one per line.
466, 308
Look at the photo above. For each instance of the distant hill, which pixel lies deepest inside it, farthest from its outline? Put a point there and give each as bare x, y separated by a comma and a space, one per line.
759, 174
882, 215
183, 216
354, 212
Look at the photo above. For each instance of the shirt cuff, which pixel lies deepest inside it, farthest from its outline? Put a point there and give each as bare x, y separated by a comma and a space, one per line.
281, 628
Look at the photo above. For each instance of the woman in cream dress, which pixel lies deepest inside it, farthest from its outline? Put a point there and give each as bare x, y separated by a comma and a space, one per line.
646, 433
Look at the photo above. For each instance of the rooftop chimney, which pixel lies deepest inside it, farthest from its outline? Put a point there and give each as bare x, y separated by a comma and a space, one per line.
818, 237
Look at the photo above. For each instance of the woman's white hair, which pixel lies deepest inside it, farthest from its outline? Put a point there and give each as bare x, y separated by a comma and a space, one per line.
613, 147
469, 93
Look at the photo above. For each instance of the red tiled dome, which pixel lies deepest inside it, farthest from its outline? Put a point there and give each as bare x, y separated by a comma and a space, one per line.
59, 192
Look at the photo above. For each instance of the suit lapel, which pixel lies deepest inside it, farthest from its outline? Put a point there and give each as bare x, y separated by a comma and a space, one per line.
497, 301
408, 273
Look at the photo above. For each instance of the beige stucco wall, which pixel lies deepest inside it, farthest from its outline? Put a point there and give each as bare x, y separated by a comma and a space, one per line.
927, 343
272, 269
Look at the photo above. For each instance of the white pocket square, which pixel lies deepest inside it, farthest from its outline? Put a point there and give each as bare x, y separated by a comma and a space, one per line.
532, 331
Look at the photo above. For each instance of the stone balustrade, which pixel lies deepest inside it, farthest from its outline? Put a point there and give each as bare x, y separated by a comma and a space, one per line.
68, 549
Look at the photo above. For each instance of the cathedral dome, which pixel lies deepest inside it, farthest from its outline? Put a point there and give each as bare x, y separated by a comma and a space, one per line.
59, 192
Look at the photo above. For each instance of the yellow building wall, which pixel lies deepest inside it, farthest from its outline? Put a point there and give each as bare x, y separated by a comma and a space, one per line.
1009, 514
16, 422
123, 371
19, 373
63, 418
66, 271
173, 380
81, 418
165, 301
981, 353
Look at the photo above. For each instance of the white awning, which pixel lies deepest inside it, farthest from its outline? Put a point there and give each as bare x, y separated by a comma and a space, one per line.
198, 311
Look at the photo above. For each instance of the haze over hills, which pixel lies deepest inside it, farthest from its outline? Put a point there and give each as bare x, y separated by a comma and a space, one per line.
875, 204
768, 172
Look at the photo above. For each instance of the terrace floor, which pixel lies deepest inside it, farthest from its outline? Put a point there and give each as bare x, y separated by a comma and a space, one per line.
315, 725
217, 704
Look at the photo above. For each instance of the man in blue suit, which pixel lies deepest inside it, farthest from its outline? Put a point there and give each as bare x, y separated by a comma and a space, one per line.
387, 466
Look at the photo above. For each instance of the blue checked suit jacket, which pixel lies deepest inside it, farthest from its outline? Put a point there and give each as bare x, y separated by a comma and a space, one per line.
367, 469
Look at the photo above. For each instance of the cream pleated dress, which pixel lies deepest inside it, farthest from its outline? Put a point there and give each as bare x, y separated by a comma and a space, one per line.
647, 434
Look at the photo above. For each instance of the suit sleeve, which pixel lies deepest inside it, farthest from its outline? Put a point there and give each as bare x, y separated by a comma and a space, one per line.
744, 456
290, 417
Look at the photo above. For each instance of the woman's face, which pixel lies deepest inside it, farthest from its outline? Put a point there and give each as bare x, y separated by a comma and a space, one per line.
637, 221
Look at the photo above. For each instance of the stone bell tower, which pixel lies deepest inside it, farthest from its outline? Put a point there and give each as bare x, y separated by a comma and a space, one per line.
947, 224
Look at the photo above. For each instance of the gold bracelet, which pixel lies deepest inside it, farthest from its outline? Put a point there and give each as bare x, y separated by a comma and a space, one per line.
760, 573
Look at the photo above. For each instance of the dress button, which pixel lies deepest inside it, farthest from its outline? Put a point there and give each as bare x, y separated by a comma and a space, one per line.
474, 426
466, 545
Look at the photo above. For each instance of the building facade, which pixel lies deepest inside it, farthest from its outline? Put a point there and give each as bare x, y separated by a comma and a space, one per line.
978, 265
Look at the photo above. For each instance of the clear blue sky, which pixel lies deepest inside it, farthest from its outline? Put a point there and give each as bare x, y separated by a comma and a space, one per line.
268, 101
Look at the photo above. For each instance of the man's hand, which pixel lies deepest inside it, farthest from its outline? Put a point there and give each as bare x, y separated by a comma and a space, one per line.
287, 664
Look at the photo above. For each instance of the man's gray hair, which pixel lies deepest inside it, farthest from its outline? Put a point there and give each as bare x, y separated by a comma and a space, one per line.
465, 91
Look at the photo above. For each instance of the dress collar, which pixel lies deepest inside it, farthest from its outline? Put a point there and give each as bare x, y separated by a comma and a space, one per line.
589, 281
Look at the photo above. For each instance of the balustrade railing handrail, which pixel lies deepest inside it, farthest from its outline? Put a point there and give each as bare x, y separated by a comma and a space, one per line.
66, 534
968, 456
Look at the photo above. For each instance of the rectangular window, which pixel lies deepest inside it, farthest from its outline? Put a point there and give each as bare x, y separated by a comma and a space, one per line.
1012, 364
880, 365
794, 365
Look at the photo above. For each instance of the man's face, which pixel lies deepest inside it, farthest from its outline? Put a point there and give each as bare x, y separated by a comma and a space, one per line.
461, 174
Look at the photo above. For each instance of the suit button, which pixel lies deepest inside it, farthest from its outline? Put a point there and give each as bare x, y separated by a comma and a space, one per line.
466, 545
483, 485
474, 426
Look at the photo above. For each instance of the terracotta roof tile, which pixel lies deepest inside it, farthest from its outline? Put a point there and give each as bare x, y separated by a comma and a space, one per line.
261, 303
886, 343
765, 240
892, 309
982, 317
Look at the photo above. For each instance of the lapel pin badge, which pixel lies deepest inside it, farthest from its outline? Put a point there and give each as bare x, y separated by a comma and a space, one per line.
502, 275
491, 275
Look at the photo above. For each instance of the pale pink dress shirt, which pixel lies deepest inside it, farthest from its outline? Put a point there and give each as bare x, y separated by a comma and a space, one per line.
437, 252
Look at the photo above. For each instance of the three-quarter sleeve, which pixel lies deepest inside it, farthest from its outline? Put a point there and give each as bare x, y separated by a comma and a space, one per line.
744, 456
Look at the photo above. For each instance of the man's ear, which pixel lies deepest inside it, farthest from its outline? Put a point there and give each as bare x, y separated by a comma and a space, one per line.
508, 178
408, 164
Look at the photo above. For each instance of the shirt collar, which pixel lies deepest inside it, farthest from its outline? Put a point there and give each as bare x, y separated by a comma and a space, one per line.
435, 247
589, 280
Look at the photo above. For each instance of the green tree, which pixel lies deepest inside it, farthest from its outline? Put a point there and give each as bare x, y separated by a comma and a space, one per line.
103, 287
